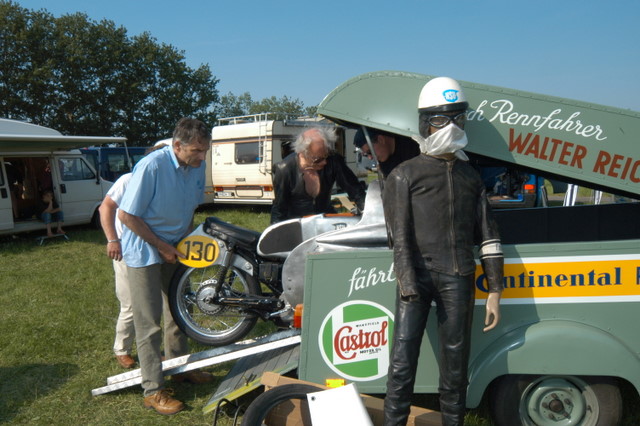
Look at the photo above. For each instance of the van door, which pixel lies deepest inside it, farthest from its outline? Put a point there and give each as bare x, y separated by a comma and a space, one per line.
6, 206
78, 188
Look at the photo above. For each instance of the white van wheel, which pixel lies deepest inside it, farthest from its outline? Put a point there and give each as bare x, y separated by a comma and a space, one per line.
556, 400
95, 220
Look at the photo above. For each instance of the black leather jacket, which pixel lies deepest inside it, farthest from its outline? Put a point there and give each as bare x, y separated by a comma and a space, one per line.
437, 211
291, 198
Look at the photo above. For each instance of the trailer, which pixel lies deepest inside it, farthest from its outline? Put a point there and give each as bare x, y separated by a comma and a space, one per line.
245, 148
567, 340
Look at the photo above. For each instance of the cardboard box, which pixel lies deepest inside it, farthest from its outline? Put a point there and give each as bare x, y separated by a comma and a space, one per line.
289, 413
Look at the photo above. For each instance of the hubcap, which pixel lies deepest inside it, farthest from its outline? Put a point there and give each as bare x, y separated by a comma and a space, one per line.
554, 401
205, 299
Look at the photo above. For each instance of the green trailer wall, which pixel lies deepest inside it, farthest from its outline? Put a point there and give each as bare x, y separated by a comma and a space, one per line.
554, 328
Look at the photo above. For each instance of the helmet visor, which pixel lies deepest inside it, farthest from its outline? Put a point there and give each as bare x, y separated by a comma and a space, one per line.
440, 121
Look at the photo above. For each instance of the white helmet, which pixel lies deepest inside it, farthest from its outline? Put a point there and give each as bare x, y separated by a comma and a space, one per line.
442, 94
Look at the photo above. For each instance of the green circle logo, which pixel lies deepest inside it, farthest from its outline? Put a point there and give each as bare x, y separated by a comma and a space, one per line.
355, 340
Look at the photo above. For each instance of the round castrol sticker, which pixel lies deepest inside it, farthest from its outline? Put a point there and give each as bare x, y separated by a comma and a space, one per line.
355, 338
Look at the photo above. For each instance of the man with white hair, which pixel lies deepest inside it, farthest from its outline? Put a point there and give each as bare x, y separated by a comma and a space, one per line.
304, 179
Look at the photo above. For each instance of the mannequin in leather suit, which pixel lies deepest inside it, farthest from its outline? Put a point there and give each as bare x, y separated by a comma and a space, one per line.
304, 179
437, 211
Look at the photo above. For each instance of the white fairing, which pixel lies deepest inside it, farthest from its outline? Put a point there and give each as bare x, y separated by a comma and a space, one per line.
368, 232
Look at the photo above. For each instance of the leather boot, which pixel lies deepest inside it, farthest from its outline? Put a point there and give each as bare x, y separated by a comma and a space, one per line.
163, 402
126, 361
196, 377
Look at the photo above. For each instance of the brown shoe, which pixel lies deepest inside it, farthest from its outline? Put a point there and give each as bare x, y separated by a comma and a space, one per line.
195, 376
163, 403
125, 361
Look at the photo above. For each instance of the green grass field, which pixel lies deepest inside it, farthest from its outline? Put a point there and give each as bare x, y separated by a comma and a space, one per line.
57, 326
56, 333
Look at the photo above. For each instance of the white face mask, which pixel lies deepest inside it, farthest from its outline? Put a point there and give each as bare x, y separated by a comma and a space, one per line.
450, 139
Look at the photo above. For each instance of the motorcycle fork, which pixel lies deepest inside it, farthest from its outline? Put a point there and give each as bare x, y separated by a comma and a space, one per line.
221, 276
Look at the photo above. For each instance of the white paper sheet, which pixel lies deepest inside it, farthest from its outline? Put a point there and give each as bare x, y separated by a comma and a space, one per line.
338, 406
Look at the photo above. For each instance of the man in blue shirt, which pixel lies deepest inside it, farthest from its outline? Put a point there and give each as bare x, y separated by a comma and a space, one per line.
157, 211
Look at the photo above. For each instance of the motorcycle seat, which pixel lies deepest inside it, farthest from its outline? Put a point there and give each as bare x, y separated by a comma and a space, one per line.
228, 232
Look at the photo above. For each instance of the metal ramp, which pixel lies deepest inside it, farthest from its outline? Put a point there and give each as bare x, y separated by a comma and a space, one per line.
246, 374
280, 339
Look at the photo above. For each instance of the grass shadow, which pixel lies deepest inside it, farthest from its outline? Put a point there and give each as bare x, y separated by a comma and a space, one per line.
23, 384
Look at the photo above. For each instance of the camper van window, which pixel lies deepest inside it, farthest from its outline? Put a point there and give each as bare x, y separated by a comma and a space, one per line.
75, 169
247, 153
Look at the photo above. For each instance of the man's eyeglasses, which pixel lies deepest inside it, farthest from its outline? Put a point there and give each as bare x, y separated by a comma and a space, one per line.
439, 121
317, 160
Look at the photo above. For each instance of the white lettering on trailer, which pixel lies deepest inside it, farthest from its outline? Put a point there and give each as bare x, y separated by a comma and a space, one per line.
363, 278
503, 111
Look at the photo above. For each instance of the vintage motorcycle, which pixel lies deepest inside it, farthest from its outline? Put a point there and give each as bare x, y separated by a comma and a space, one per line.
231, 276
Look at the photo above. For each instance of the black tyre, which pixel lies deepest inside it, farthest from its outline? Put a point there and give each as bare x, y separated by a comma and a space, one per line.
260, 408
556, 400
205, 322
95, 220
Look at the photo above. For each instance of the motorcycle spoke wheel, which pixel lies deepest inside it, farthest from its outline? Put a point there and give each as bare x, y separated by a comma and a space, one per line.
209, 323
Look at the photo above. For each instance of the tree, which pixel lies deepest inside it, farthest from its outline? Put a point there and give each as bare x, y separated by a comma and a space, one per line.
79, 76
279, 108
233, 106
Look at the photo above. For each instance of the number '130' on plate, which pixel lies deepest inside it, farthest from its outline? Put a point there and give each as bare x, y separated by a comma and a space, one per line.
198, 251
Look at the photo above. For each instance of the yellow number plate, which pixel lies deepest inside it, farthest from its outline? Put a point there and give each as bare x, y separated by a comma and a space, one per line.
198, 251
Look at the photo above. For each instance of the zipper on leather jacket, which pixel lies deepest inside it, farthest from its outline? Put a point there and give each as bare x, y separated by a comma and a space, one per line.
452, 231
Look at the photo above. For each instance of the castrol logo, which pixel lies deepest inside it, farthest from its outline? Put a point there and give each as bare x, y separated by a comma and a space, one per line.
355, 340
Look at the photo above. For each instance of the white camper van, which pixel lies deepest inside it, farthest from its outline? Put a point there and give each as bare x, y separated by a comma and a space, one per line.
244, 149
34, 159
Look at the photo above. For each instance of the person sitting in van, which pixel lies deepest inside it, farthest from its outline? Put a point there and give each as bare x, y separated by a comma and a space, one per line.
49, 212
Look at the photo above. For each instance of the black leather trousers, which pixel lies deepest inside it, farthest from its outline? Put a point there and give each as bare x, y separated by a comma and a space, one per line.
454, 298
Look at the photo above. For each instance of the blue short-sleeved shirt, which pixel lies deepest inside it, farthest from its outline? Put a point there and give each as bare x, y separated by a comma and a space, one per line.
164, 195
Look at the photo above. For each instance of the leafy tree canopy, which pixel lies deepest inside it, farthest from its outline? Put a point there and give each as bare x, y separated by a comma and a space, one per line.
279, 108
83, 77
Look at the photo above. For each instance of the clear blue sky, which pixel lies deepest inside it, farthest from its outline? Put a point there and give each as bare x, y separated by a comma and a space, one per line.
585, 50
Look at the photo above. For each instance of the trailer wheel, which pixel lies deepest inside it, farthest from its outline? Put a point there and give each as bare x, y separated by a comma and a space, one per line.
556, 400
260, 408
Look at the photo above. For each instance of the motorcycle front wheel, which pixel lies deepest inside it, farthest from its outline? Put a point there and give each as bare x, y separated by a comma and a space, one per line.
190, 295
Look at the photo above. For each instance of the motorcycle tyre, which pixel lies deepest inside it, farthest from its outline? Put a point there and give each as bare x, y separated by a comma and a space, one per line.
239, 330
260, 408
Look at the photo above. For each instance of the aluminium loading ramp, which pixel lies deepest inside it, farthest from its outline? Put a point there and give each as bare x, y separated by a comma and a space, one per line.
246, 374
206, 358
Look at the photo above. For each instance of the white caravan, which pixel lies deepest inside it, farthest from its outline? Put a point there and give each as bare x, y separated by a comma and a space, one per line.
245, 148
34, 159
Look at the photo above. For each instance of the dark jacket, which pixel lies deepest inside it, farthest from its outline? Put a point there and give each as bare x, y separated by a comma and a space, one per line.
437, 211
291, 199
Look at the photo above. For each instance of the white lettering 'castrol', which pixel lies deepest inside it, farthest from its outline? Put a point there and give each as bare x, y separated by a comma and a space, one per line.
354, 340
